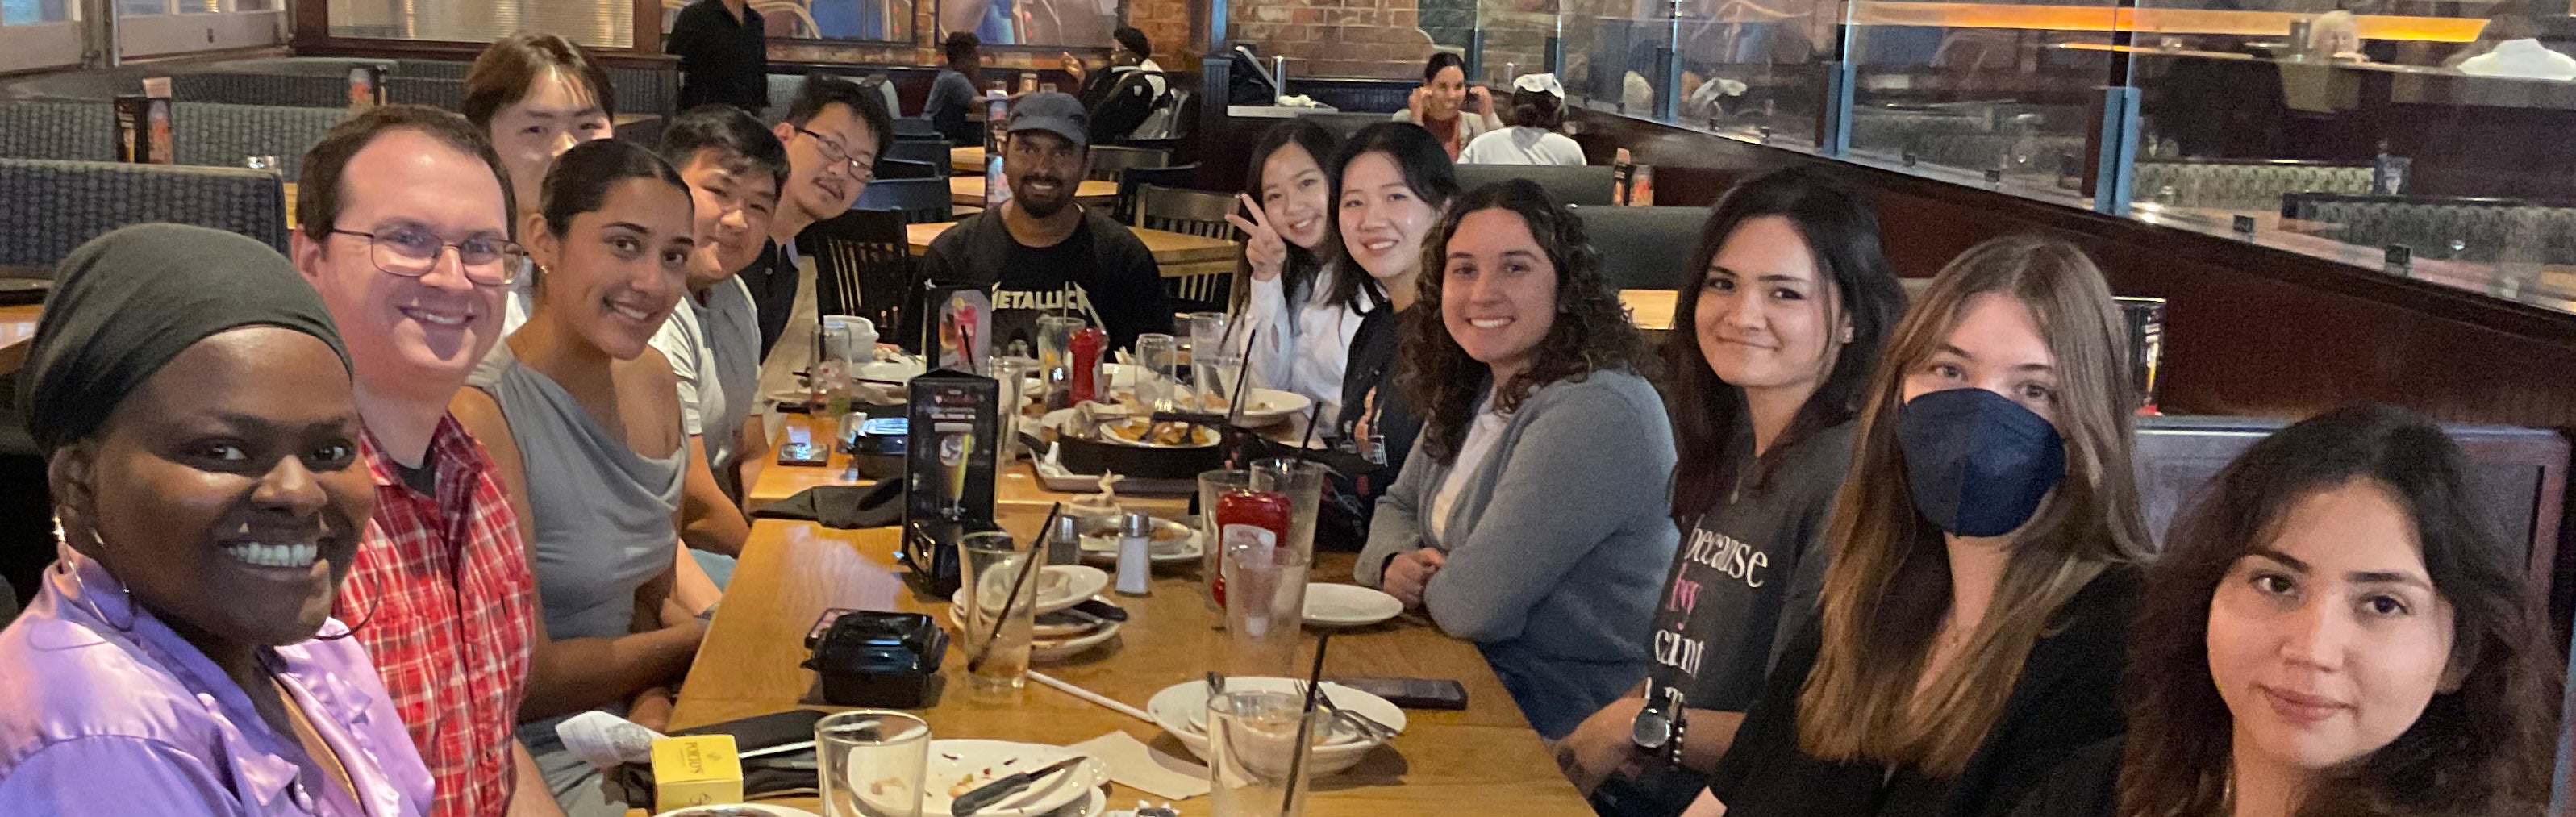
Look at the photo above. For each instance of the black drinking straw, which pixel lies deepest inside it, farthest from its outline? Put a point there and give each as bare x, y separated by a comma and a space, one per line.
1305, 725
1313, 416
1010, 602
1243, 371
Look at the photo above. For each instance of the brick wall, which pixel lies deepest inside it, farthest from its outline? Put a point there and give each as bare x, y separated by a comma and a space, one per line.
1336, 38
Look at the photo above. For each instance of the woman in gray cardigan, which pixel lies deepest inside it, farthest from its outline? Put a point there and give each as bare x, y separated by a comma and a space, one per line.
1530, 519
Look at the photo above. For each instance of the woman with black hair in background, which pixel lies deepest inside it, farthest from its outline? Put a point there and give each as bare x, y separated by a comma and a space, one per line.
1774, 338
1538, 109
2330, 633
1452, 111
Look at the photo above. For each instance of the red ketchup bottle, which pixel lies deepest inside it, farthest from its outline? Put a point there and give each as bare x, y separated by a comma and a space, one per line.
1246, 519
1082, 359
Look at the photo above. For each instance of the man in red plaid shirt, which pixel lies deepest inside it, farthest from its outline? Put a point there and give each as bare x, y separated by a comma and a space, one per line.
405, 230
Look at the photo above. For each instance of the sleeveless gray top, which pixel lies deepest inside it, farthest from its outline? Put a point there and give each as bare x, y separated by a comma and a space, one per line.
603, 512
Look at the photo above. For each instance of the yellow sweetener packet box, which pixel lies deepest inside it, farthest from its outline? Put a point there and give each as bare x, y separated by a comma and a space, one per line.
699, 770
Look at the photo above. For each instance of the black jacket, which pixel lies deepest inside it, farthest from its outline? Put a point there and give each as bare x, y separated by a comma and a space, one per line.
720, 60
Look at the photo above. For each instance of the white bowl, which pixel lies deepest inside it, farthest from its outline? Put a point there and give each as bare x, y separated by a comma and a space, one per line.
1181, 709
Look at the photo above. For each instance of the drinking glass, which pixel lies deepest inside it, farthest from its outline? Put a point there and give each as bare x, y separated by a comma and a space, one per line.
1055, 338
994, 566
1213, 484
1157, 375
2146, 320
1303, 482
871, 763
833, 343
1265, 608
1014, 374
1214, 368
1254, 755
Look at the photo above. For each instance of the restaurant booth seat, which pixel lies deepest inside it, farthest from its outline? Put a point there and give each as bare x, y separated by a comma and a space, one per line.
435, 92
1569, 184
1643, 247
58, 129
901, 169
55, 206
2242, 184
930, 150
215, 134
923, 201
2436, 227
237, 88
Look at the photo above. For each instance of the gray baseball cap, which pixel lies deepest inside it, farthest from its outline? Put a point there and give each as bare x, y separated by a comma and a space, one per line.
1054, 112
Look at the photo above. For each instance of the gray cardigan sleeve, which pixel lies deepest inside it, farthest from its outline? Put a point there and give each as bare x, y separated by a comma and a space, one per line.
1576, 478
1395, 528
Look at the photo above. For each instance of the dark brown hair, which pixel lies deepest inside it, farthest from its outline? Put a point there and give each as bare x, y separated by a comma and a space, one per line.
503, 73
1591, 332
2482, 748
317, 210
1841, 231
1536, 109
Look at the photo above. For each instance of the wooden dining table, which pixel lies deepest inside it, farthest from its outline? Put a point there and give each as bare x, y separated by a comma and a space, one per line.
1649, 309
1482, 760
1180, 255
968, 191
1016, 489
968, 159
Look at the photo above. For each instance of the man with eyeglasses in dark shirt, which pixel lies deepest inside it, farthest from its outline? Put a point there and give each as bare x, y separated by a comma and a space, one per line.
834, 132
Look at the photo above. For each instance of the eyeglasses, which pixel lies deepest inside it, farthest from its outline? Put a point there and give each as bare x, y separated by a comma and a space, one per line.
835, 154
412, 253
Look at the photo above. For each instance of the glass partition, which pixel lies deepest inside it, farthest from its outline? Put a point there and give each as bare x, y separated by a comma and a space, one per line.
2418, 137
1757, 69
2004, 95
1036, 23
591, 23
1617, 53
1519, 37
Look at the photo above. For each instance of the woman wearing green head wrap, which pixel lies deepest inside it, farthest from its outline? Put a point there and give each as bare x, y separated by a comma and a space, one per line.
193, 403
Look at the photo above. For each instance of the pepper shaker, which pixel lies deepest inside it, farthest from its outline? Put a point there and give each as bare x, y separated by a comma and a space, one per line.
1135, 569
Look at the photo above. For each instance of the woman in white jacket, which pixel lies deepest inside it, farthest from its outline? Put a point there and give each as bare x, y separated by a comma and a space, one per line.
1289, 286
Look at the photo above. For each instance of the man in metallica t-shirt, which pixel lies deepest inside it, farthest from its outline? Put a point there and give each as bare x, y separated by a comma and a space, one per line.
1041, 252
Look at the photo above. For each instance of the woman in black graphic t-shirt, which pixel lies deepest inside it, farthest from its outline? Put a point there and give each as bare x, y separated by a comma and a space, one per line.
1773, 338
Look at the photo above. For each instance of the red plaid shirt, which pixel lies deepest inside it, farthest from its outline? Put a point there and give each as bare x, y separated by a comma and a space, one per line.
443, 586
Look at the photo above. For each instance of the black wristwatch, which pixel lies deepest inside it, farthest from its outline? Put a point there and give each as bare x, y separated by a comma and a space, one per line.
1657, 731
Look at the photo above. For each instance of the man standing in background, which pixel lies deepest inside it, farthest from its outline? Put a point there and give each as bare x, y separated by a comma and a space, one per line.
723, 48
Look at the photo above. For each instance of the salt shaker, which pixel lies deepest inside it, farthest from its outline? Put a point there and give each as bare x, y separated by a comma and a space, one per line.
1064, 544
1135, 569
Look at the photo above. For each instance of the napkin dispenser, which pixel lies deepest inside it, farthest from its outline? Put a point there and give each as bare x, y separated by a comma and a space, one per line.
879, 659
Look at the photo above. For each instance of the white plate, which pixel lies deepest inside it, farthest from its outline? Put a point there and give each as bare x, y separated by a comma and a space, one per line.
1059, 587
1181, 709
741, 810
1043, 650
1348, 605
1187, 549
990, 760
1269, 407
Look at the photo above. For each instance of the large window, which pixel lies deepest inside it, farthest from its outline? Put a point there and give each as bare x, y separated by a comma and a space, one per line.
30, 12
1055, 23
592, 23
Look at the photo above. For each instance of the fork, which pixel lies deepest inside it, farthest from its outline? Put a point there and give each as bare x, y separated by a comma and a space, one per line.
1364, 723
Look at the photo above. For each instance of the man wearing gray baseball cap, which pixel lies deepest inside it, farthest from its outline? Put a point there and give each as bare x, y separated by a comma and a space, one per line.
1042, 252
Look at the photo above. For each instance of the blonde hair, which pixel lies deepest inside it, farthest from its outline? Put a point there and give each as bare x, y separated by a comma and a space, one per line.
1889, 587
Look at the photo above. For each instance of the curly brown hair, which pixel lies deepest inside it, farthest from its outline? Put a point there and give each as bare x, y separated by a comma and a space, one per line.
1591, 332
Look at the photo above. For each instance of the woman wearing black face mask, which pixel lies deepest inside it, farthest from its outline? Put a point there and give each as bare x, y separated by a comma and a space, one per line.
1971, 630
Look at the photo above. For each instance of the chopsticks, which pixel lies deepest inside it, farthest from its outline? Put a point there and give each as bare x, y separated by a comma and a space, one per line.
1104, 701
1012, 601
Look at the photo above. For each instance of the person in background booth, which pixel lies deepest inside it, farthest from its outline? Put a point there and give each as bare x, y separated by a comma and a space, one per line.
2331, 631
1985, 548
535, 96
834, 132
1538, 109
195, 409
1515, 523
953, 93
582, 418
442, 572
1296, 306
1391, 184
1775, 336
1448, 107
1123, 95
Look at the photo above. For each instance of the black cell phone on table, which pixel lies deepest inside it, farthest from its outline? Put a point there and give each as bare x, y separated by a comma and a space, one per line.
1412, 693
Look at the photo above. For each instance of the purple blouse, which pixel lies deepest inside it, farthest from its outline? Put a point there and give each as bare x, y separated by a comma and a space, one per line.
98, 719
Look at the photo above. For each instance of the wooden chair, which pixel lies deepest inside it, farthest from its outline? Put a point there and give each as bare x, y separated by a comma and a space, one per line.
863, 265
1134, 181
1195, 212
1107, 161
922, 201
